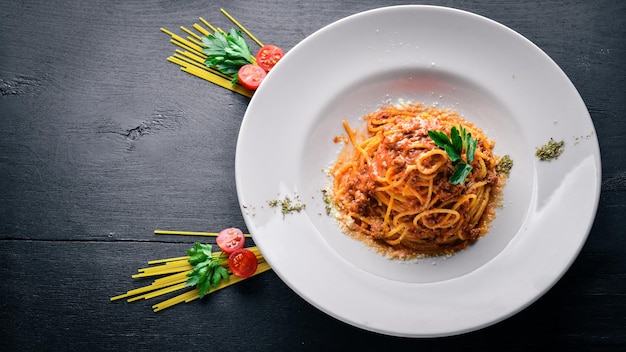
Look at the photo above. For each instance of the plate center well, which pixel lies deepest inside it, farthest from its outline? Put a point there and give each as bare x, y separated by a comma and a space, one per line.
430, 87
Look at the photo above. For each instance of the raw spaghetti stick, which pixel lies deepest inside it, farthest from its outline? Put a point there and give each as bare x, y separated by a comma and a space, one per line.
158, 261
224, 83
189, 233
201, 29
157, 284
191, 33
241, 27
182, 42
213, 29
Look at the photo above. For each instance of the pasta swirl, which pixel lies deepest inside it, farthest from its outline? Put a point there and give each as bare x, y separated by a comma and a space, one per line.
391, 184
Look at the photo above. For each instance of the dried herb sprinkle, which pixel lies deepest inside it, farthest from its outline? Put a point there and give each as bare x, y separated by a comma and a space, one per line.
505, 164
550, 150
287, 205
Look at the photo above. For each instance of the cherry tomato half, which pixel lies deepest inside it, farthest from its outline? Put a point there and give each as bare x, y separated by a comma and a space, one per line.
250, 76
268, 56
230, 240
243, 263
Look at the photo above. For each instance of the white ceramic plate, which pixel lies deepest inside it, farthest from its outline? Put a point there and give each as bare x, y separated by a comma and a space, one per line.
454, 59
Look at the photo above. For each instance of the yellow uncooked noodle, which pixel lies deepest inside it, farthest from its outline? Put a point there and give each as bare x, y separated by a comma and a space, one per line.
189, 233
241, 27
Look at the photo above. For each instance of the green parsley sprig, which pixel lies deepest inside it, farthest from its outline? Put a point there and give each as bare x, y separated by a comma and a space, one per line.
227, 53
460, 140
207, 268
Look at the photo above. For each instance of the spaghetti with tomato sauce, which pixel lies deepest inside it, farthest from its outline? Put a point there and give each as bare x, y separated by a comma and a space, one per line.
391, 184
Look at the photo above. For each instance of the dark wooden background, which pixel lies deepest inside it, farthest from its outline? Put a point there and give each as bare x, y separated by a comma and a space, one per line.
102, 141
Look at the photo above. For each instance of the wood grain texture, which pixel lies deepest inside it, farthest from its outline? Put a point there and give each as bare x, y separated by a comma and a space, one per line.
102, 141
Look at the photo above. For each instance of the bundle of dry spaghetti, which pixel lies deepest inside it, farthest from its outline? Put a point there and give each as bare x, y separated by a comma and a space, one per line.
191, 58
171, 275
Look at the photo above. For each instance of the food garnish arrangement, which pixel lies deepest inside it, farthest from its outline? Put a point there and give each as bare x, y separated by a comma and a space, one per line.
225, 59
416, 181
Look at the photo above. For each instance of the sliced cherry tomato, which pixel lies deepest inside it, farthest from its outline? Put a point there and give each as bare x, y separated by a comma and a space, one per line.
230, 239
250, 76
268, 56
243, 263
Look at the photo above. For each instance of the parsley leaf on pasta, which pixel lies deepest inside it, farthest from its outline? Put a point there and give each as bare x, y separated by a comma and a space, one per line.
460, 173
442, 141
460, 139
